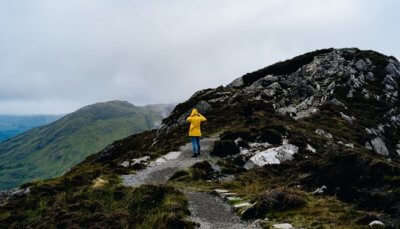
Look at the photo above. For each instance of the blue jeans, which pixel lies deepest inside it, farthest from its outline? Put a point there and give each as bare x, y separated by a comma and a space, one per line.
196, 145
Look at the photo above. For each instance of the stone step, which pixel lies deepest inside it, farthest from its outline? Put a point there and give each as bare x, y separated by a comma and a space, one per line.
242, 205
227, 194
219, 191
233, 198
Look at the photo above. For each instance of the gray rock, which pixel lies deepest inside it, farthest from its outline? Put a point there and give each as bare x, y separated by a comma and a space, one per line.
347, 118
361, 65
203, 106
379, 146
370, 76
236, 83
324, 133
392, 69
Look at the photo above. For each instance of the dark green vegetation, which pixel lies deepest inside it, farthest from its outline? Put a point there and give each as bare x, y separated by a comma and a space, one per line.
80, 199
48, 151
12, 125
361, 185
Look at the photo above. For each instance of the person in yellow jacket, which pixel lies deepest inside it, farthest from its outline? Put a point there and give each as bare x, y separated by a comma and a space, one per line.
195, 120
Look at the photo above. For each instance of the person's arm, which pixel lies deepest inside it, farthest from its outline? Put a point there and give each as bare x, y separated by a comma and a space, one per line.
189, 119
202, 118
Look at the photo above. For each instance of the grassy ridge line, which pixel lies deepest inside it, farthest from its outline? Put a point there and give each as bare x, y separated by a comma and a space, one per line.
51, 150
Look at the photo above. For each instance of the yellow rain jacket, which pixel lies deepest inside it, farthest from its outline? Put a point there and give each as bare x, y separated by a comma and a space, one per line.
195, 120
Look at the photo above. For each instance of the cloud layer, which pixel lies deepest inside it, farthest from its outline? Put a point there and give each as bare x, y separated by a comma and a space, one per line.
56, 56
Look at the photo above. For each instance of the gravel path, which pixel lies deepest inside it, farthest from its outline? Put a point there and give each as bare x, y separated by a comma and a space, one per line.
211, 212
162, 169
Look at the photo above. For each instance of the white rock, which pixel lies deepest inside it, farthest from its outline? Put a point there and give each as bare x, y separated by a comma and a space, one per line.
242, 205
379, 146
221, 190
311, 149
323, 133
273, 155
398, 152
233, 198
320, 190
140, 160
125, 164
349, 145
376, 224
283, 226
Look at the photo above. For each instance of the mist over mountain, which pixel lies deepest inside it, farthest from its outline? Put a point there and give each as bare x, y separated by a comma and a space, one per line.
12, 125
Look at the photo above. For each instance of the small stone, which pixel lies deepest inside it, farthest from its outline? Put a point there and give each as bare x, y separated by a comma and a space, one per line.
311, 149
347, 118
349, 145
323, 133
125, 164
283, 226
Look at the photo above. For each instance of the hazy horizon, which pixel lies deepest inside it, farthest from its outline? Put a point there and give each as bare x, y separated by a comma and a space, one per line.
58, 56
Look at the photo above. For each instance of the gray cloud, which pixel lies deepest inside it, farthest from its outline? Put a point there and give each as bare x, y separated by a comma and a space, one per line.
56, 56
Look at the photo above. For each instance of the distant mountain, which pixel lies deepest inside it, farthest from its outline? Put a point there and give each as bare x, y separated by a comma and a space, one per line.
51, 150
12, 125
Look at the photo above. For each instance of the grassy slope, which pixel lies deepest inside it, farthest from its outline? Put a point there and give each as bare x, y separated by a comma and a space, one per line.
51, 150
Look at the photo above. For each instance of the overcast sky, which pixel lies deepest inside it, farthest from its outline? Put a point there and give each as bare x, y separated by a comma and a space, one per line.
56, 56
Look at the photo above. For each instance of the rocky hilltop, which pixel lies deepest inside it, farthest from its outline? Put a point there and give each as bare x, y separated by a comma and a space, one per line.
311, 142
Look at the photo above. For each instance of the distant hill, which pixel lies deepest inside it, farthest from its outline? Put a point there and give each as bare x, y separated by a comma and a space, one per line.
51, 150
12, 125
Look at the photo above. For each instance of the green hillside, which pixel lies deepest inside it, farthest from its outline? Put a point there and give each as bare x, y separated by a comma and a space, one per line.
51, 150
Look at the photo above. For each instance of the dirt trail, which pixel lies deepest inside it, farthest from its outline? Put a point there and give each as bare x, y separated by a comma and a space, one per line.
209, 211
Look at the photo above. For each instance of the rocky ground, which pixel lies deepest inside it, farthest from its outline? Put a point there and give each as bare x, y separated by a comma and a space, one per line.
209, 211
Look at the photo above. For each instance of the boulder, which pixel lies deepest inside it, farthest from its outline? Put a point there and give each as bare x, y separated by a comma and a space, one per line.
272, 156
225, 148
236, 83
379, 146
361, 65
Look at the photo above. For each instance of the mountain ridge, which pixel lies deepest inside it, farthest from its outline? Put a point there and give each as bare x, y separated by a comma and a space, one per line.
331, 128
96, 125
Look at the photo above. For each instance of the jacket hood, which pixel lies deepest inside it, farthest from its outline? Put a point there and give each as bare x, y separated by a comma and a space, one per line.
194, 112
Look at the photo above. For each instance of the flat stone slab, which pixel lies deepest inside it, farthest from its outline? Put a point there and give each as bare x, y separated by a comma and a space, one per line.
242, 205
221, 191
228, 194
233, 198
